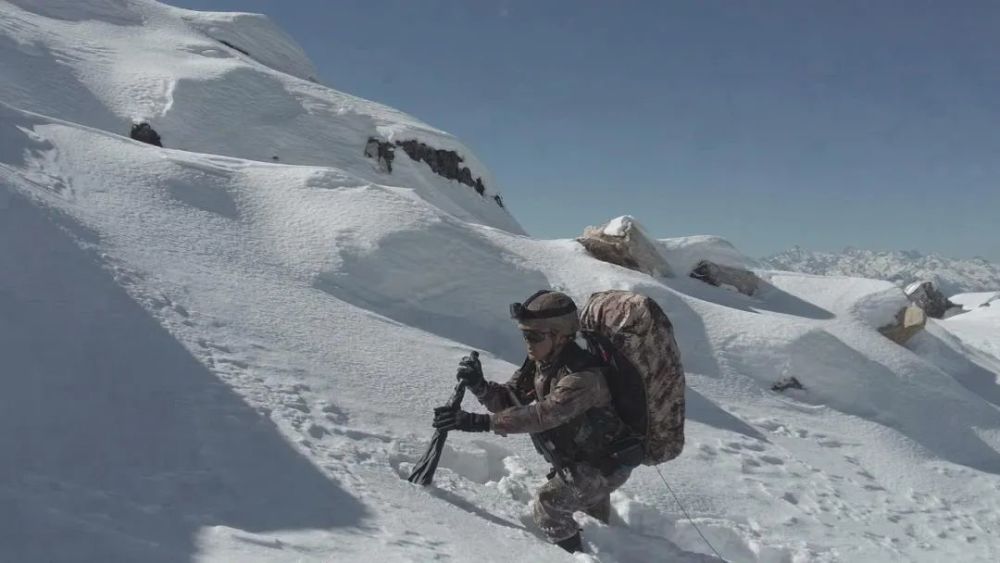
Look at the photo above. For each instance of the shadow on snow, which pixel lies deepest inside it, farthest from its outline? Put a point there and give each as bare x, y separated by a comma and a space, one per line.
117, 444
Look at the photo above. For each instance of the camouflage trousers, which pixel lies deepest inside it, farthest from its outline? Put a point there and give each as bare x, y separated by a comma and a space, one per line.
584, 489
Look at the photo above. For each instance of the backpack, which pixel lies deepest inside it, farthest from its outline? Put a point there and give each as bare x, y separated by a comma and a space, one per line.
633, 337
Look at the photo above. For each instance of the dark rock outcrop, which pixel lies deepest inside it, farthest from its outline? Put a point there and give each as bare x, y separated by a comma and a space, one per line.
382, 152
143, 132
787, 383
444, 163
743, 281
928, 298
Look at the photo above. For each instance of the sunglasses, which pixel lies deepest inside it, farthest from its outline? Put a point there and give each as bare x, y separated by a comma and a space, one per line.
534, 336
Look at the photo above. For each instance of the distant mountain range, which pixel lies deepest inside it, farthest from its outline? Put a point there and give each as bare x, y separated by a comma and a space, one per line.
901, 267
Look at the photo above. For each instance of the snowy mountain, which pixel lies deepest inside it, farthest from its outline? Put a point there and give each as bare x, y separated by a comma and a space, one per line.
209, 354
899, 267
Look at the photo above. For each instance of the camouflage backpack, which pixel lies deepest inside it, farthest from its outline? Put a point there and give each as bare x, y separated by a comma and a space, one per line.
634, 337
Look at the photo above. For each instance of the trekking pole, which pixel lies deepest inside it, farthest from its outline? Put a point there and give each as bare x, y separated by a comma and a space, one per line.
423, 471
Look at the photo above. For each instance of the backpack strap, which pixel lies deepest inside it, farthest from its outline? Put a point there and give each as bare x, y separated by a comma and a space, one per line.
578, 359
628, 392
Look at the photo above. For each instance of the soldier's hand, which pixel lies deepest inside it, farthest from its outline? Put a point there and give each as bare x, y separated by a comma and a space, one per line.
470, 372
450, 418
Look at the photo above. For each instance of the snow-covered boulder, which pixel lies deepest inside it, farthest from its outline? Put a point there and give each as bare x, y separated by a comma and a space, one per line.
909, 321
925, 295
684, 253
624, 242
738, 279
890, 312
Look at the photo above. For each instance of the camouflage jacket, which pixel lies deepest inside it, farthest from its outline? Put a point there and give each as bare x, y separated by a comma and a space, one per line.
565, 402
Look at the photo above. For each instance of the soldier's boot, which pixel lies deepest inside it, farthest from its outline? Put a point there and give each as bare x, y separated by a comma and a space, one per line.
572, 544
601, 509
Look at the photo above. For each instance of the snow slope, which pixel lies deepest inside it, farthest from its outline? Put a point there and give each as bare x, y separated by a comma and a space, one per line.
212, 356
105, 63
970, 301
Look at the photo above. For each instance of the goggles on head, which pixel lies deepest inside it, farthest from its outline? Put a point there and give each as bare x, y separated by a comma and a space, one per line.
534, 336
520, 312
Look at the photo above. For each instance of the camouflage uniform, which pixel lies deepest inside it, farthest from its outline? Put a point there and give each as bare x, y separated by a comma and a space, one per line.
566, 406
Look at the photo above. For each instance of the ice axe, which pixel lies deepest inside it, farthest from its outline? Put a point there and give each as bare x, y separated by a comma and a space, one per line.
423, 471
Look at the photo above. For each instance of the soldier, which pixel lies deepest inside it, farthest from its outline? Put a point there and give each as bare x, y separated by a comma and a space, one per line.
559, 396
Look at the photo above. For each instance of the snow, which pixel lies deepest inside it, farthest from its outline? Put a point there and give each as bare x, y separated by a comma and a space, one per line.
979, 328
620, 226
211, 356
271, 47
900, 267
684, 253
203, 97
971, 301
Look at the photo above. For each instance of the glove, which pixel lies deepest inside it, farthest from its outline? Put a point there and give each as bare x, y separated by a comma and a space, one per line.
470, 372
448, 418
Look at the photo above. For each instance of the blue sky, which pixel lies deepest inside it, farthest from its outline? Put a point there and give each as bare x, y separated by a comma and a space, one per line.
823, 124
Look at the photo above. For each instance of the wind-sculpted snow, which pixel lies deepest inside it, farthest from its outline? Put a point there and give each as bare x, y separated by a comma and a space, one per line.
212, 356
117, 12
256, 37
82, 63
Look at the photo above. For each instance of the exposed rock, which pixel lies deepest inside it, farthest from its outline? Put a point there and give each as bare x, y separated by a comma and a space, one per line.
623, 242
787, 383
498, 199
909, 321
738, 279
928, 298
443, 163
382, 152
143, 132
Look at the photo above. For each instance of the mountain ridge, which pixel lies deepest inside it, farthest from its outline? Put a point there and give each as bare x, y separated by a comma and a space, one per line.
900, 267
